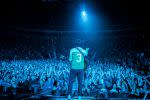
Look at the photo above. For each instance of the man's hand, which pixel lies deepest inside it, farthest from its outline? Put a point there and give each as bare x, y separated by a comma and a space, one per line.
87, 49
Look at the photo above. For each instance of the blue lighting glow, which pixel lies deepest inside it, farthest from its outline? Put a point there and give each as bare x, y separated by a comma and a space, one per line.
84, 16
83, 13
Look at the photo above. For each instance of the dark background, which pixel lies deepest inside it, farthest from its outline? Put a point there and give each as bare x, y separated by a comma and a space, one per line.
40, 25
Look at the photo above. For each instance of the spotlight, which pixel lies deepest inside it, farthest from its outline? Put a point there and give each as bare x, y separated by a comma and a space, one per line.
84, 15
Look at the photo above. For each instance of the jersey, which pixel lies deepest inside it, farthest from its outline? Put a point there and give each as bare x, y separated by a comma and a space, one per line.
76, 58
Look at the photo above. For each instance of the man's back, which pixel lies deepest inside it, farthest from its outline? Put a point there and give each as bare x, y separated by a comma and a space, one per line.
77, 58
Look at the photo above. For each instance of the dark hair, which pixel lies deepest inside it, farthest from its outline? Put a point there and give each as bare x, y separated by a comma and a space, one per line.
77, 44
55, 83
46, 79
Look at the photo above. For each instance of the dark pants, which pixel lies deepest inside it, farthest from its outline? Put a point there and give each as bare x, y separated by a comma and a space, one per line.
80, 74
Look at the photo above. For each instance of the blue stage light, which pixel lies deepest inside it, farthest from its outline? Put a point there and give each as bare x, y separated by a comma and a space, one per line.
83, 13
84, 16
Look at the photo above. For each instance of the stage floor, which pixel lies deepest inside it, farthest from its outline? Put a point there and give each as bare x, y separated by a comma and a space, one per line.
50, 97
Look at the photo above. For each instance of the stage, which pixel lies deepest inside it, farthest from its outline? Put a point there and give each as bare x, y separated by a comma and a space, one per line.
50, 97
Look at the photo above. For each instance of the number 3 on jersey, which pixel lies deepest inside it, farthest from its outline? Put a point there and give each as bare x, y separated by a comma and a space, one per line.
79, 58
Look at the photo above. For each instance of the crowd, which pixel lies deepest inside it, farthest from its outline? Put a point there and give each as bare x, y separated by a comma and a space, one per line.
52, 76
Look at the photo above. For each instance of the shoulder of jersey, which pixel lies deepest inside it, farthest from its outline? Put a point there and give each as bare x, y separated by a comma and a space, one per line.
73, 49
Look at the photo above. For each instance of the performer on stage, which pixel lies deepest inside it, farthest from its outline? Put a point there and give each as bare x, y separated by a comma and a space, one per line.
77, 69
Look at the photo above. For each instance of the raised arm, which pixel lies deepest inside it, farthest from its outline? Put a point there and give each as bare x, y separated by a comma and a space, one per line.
85, 51
70, 55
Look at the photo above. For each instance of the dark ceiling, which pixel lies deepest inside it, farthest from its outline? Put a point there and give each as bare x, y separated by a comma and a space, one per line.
130, 17
58, 12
